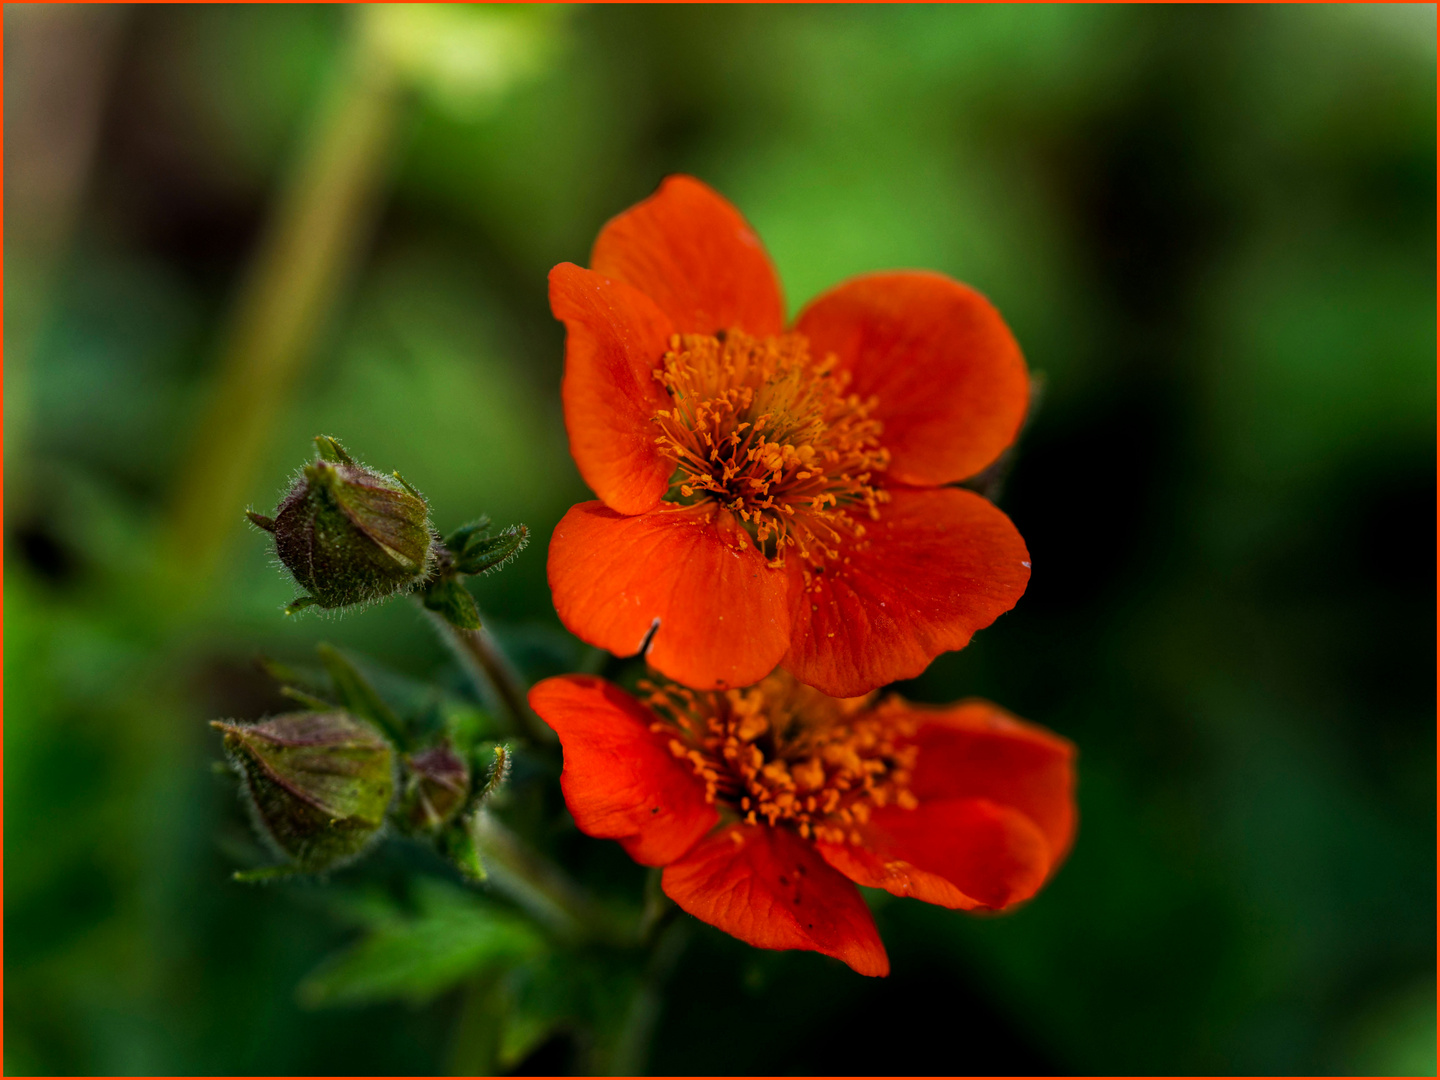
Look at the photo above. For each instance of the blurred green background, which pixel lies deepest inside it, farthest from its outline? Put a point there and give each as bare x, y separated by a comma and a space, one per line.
1212, 229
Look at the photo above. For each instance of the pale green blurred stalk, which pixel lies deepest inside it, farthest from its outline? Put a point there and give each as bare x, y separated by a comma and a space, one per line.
464, 58
321, 220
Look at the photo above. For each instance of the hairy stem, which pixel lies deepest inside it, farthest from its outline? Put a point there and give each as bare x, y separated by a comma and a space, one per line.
496, 679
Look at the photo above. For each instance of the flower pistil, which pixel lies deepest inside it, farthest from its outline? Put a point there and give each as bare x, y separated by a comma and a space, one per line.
768, 431
782, 753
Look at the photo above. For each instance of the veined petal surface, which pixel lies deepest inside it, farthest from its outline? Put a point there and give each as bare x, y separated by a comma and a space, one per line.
620, 780
614, 339
938, 565
947, 376
688, 249
772, 889
721, 615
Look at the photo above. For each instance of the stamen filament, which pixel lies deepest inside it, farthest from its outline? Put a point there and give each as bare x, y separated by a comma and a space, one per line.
768, 432
783, 753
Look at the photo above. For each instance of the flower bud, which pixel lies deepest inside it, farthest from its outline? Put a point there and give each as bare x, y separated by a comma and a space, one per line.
437, 783
319, 783
348, 534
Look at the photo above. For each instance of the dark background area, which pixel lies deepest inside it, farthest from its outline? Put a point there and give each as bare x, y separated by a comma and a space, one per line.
1212, 230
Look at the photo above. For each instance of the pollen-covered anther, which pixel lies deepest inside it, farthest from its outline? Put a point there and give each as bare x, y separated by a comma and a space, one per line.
766, 430
782, 753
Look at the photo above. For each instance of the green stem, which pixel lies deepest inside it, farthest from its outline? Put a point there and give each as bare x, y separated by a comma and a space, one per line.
476, 1047
658, 908
631, 1049
493, 675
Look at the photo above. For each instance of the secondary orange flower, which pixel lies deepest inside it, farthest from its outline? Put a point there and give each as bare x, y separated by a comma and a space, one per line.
766, 806
771, 496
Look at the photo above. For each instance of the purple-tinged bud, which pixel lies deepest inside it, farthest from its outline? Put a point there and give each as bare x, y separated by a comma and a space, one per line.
319, 783
437, 785
350, 535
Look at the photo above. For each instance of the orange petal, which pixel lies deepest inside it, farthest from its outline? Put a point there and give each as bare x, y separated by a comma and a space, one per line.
691, 252
978, 750
723, 614
937, 566
772, 890
894, 875
948, 378
614, 338
620, 780
959, 853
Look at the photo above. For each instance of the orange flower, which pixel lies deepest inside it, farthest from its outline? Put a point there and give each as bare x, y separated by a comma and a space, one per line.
766, 805
773, 496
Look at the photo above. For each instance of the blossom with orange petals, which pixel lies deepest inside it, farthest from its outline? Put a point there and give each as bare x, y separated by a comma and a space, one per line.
771, 495
767, 806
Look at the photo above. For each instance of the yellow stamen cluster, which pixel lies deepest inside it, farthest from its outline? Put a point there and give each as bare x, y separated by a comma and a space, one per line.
783, 753
767, 431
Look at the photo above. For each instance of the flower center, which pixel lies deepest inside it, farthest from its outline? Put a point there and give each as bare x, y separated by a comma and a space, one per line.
784, 753
768, 432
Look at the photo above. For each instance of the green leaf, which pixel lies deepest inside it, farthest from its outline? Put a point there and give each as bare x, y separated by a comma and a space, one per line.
263, 874
454, 936
477, 552
458, 539
305, 685
453, 602
545, 994
330, 450
459, 847
523, 1032
310, 701
364, 906
357, 695
588, 990
313, 680
493, 761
